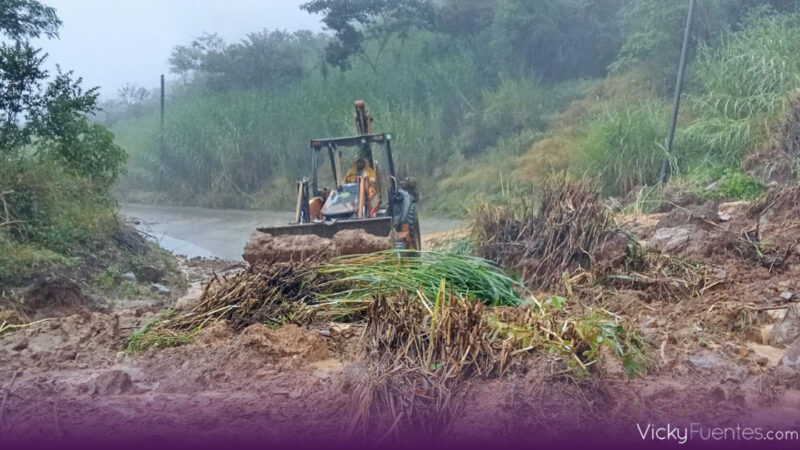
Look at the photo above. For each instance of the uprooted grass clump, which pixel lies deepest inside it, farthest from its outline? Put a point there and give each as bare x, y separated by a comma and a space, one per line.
268, 293
422, 341
430, 347
263, 293
546, 242
661, 276
782, 200
277, 293
391, 272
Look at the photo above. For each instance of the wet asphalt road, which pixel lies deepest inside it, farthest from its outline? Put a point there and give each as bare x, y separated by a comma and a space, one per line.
221, 233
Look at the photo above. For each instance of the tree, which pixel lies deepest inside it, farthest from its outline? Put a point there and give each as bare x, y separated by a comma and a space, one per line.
466, 18
355, 23
21, 77
50, 116
65, 134
268, 58
186, 59
132, 99
21, 20
264, 59
558, 39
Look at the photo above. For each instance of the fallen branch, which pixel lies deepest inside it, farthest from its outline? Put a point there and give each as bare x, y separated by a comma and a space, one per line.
5, 326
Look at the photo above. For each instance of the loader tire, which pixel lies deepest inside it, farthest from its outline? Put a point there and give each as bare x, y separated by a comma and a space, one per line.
413, 222
416, 233
415, 236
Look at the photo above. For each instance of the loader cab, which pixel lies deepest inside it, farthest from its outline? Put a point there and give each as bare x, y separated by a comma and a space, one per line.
355, 194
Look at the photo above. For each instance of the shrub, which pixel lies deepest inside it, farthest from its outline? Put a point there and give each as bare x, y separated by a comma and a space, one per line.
19, 260
622, 147
56, 210
735, 185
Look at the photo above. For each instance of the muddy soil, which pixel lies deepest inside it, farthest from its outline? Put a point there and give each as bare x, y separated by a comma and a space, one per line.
292, 385
713, 360
263, 247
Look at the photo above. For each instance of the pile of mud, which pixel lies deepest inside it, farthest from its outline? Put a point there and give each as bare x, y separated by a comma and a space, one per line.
265, 247
294, 386
732, 272
707, 295
74, 382
711, 289
47, 296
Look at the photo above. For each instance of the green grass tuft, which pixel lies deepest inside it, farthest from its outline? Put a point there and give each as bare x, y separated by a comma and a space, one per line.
391, 272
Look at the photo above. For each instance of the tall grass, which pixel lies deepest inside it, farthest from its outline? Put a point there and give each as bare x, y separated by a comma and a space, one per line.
236, 148
742, 85
623, 146
459, 131
245, 148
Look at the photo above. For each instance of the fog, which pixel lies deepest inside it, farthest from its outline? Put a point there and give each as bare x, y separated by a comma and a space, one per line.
111, 43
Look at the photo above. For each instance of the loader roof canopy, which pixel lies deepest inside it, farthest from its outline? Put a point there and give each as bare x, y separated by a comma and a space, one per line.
352, 141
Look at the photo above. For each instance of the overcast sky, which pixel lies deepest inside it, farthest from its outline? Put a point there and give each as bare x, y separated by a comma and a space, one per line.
112, 42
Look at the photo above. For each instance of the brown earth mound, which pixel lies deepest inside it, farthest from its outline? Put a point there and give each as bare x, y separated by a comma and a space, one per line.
357, 242
265, 247
51, 295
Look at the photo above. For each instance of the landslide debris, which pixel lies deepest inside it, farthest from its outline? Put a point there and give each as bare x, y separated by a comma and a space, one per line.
545, 242
263, 247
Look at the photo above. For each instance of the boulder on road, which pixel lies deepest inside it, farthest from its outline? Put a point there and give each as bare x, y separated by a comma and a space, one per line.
160, 289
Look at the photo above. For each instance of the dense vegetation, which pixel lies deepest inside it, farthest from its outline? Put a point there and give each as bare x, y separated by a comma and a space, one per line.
57, 167
481, 95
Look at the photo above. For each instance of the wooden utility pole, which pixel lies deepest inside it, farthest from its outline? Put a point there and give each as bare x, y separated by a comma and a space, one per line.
163, 101
665, 166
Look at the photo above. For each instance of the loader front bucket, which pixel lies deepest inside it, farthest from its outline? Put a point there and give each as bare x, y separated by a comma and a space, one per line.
381, 227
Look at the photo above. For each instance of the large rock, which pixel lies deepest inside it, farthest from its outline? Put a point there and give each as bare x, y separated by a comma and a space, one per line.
160, 289
148, 274
191, 298
766, 355
681, 239
792, 357
113, 382
787, 331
